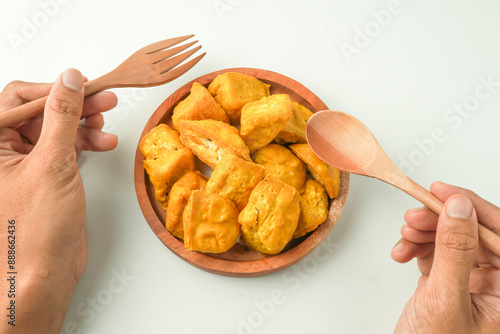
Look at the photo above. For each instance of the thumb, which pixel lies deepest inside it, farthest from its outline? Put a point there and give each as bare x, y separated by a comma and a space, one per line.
456, 245
62, 113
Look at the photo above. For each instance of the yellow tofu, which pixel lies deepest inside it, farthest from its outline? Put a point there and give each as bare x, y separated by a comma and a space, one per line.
271, 216
210, 223
166, 159
314, 208
177, 201
233, 90
282, 164
295, 130
210, 140
327, 175
198, 105
235, 179
261, 121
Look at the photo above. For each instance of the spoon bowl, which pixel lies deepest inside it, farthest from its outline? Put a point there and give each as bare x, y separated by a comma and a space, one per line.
343, 142
338, 150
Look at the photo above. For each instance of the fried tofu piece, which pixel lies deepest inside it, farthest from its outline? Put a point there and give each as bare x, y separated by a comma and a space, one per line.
210, 223
314, 208
233, 90
198, 105
327, 175
166, 159
235, 179
282, 164
295, 130
210, 140
262, 120
178, 199
271, 216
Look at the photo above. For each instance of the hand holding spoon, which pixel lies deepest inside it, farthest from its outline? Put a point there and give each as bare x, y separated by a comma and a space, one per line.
343, 142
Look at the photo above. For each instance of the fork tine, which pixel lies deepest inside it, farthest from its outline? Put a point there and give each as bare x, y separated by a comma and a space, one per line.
180, 70
158, 46
159, 56
170, 63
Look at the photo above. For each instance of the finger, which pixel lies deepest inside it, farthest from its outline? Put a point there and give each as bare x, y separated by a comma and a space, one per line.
89, 139
20, 92
417, 236
487, 213
486, 259
404, 251
10, 140
456, 246
424, 263
99, 102
485, 281
421, 219
95, 121
31, 128
94, 104
62, 115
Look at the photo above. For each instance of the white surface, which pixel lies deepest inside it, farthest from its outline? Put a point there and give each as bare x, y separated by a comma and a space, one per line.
406, 74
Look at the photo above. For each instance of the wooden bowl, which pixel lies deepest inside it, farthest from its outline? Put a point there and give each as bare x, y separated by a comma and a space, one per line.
239, 261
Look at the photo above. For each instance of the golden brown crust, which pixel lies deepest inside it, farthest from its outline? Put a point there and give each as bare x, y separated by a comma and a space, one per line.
270, 218
262, 120
314, 208
282, 164
177, 201
233, 90
295, 130
235, 179
198, 105
210, 140
166, 159
210, 223
327, 175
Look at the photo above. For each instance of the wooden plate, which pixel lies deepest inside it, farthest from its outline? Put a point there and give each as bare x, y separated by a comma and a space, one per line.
238, 261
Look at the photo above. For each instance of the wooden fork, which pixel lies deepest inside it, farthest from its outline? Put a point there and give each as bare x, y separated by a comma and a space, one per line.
153, 65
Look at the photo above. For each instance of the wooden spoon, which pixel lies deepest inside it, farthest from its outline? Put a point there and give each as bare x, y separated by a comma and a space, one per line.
343, 142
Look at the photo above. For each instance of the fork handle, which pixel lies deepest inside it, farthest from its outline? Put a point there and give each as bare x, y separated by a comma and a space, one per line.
14, 116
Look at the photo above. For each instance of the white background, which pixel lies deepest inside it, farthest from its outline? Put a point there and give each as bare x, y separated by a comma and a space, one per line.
401, 67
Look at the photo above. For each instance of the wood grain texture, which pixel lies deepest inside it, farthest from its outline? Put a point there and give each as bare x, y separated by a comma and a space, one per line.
239, 261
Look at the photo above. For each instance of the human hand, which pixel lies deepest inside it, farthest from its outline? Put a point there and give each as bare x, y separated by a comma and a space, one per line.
459, 290
41, 195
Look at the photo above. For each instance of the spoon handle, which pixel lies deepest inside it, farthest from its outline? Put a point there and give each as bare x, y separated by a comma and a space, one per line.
487, 237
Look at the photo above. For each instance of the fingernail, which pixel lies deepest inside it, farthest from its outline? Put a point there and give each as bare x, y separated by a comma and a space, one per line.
399, 247
72, 79
459, 207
